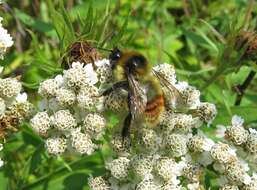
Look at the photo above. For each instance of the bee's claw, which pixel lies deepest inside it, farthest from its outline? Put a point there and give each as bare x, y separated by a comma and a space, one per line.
98, 96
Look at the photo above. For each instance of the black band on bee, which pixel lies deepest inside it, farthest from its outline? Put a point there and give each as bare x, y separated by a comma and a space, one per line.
136, 62
114, 56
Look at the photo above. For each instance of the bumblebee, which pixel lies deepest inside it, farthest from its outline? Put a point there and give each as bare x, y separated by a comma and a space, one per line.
133, 73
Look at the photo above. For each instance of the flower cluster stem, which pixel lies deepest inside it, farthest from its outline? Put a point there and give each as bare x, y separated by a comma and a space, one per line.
241, 88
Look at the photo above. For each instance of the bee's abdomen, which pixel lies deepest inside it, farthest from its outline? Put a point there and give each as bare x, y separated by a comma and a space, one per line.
154, 108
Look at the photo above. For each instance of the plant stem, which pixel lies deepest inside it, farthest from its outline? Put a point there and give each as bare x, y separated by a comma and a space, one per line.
211, 80
186, 8
248, 14
47, 176
241, 88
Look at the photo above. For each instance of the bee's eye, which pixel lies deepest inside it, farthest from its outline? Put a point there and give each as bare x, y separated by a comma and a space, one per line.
114, 56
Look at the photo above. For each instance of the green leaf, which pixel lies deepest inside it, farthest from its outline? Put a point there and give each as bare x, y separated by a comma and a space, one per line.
35, 24
88, 21
120, 34
67, 22
36, 159
247, 112
207, 39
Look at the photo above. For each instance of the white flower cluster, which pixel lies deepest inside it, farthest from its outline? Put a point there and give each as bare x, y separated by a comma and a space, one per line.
70, 115
6, 95
5, 40
238, 165
168, 156
14, 106
176, 154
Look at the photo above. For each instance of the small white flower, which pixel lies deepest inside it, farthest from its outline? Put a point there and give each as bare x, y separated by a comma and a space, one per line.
180, 166
148, 185
87, 97
205, 158
206, 112
199, 143
251, 143
119, 145
193, 186
59, 79
176, 144
9, 87
228, 187
5, 40
172, 184
56, 145
98, 183
82, 143
193, 172
104, 70
209, 143
77, 76
252, 131
235, 172
41, 123
165, 168
63, 120
142, 166
119, 167
237, 134
91, 74
149, 140
190, 94
223, 153
116, 101
220, 131
237, 120
48, 88
247, 179
1, 162
65, 97
22, 97
94, 125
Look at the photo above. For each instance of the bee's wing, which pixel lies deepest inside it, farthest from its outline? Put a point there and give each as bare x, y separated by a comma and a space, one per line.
137, 96
176, 95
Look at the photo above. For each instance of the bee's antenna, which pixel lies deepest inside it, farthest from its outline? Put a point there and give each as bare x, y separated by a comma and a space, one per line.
104, 49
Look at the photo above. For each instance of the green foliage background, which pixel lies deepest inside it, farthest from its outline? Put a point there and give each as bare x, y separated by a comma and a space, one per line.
183, 33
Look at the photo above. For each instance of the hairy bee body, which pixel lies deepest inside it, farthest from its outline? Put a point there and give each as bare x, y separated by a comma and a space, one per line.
126, 64
153, 110
135, 69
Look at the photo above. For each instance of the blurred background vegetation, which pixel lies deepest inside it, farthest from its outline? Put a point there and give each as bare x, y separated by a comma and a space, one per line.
196, 36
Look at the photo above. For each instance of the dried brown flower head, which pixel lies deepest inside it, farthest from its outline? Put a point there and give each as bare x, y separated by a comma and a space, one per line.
12, 118
82, 51
248, 40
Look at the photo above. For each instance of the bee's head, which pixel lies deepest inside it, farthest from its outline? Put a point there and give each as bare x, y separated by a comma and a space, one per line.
114, 56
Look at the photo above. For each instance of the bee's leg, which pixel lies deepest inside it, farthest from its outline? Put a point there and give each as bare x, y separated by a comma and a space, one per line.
118, 85
127, 121
126, 126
